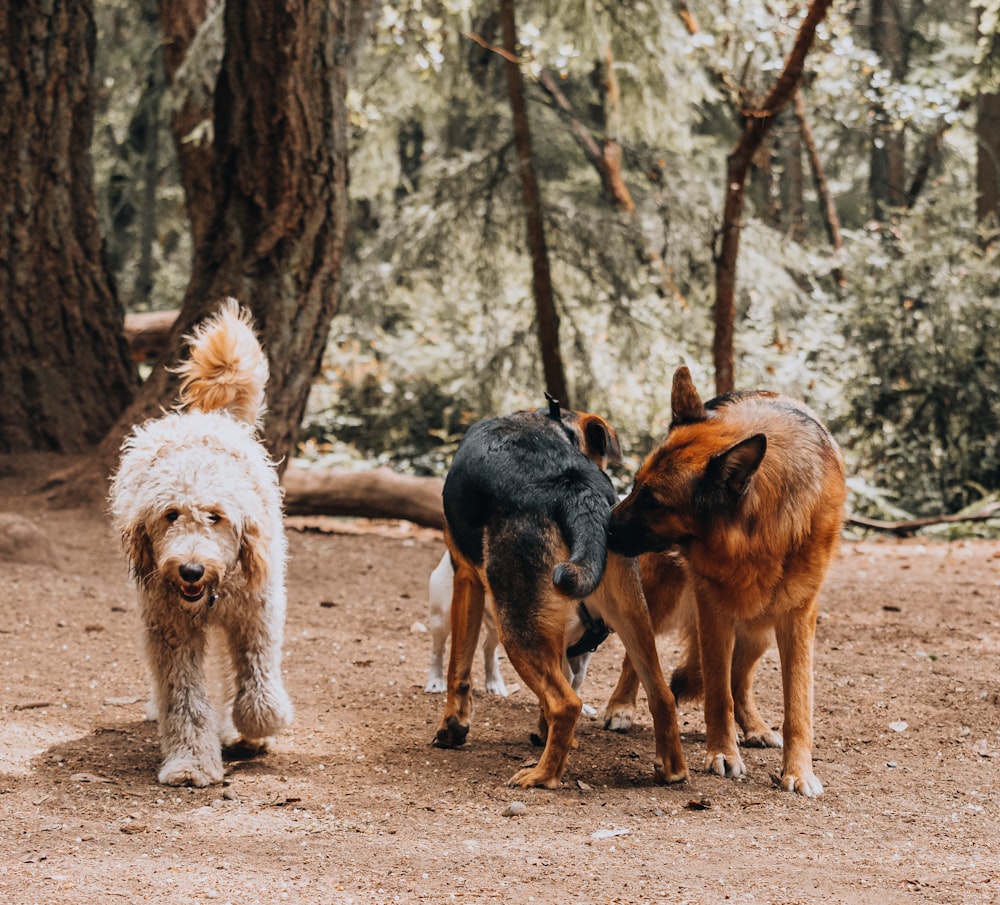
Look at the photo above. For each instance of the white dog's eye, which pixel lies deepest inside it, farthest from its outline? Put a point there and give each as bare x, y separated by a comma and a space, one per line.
172, 515
214, 517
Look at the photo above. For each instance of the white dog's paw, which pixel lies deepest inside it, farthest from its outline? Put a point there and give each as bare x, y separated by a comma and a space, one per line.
497, 686
722, 764
619, 719
806, 783
765, 739
187, 770
259, 716
435, 684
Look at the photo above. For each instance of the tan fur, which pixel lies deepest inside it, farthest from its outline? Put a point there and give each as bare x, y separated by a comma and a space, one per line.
197, 503
753, 559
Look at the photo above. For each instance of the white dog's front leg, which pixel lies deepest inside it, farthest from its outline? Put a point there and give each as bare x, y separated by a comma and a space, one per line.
188, 733
261, 707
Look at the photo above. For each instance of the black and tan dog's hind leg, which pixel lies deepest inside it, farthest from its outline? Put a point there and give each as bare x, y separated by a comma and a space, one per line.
620, 602
467, 602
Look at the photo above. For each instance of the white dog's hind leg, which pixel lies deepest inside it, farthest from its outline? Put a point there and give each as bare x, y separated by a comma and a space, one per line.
439, 622
491, 653
189, 737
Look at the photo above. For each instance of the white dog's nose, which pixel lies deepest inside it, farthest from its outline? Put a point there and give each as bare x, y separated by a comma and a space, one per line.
191, 571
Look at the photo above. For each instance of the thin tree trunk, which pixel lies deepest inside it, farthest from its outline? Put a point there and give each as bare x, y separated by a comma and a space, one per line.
181, 21
887, 178
827, 207
755, 128
987, 157
545, 309
65, 371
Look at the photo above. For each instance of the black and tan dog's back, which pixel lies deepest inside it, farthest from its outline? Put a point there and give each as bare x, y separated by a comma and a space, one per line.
526, 506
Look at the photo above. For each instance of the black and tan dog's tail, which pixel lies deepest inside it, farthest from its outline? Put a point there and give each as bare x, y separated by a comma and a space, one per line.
583, 521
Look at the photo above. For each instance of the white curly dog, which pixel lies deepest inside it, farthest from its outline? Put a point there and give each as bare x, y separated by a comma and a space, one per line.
197, 502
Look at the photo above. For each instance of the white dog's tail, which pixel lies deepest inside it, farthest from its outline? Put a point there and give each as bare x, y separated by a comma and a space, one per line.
227, 368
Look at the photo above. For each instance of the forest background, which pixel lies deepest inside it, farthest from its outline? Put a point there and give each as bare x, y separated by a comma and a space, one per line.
867, 271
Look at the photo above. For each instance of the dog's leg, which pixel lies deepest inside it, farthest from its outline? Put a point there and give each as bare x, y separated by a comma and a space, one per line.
717, 636
538, 660
666, 588
747, 651
189, 737
439, 590
468, 598
796, 632
621, 602
491, 654
261, 707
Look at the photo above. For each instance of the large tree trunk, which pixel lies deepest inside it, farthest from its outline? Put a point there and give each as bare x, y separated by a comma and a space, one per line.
756, 124
279, 202
65, 372
545, 308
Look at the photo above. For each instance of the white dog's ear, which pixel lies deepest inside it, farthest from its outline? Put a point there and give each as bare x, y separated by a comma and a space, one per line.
139, 549
252, 559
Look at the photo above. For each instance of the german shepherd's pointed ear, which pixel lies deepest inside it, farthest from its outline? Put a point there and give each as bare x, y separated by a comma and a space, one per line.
600, 441
686, 406
731, 471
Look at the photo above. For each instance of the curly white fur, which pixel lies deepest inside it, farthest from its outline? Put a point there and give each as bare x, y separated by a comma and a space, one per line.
197, 503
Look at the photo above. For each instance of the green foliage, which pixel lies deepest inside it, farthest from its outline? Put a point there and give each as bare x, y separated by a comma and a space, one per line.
922, 413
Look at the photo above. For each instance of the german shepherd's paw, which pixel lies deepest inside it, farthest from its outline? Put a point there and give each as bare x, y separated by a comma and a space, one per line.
675, 774
806, 783
619, 719
765, 738
722, 764
452, 734
531, 777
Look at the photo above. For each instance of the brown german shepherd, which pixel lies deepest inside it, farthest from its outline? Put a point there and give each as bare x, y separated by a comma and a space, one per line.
527, 504
749, 490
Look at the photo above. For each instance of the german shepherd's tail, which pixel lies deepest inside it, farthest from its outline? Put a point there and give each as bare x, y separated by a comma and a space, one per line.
227, 369
583, 520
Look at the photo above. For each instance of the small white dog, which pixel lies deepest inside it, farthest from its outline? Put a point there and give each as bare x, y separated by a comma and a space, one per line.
439, 624
197, 503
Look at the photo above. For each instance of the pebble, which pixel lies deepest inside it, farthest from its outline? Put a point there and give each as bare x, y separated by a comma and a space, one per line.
516, 809
230, 795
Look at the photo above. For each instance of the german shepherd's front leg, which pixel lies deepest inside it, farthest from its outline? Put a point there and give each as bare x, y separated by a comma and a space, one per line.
717, 636
796, 633
620, 601
467, 600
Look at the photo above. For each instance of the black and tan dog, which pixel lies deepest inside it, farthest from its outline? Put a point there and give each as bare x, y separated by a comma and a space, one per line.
526, 506
750, 489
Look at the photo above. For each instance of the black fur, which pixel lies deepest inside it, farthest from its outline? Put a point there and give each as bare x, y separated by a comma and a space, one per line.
513, 480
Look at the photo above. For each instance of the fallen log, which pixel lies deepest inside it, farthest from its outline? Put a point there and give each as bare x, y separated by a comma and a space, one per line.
147, 333
908, 527
380, 493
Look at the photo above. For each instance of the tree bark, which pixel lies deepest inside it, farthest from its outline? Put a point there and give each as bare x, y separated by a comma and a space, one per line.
180, 22
756, 124
987, 156
65, 372
545, 308
279, 203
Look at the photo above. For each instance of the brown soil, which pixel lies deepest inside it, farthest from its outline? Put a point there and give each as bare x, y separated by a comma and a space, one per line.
354, 805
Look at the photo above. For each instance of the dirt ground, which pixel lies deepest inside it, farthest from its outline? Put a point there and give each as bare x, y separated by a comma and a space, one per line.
354, 805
